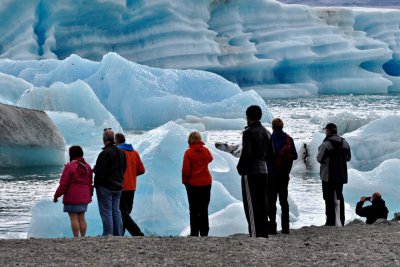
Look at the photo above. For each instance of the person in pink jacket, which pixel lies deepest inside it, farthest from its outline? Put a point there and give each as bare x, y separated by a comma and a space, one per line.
76, 184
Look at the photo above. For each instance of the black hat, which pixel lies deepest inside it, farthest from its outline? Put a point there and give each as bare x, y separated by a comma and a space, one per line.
331, 126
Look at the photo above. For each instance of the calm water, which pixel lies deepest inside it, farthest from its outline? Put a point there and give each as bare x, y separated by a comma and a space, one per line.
20, 189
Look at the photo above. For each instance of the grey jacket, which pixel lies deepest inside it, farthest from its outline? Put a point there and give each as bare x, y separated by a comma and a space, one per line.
323, 156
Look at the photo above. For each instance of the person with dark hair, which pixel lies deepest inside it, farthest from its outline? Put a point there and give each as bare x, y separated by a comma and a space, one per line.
108, 181
377, 210
197, 179
333, 154
252, 166
134, 168
76, 186
278, 174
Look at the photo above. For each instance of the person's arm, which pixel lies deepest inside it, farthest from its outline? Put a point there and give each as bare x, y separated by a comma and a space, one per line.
140, 167
209, 155
294, 152
347, 151
186, 168
243, 163
362, 211
100, 168
64, 182
321, 153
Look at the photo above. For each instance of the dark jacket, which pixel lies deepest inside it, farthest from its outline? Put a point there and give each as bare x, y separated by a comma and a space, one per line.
256, 150
110, 168
377, 210
284, 153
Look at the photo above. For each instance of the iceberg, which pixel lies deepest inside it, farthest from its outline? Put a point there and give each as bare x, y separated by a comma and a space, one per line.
29, 138
128, 91
276, 49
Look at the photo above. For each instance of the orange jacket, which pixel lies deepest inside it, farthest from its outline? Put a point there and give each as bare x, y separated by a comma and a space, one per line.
134, 168
195, 165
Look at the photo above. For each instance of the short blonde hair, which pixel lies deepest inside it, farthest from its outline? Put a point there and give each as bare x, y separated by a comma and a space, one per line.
194, 137
277, 124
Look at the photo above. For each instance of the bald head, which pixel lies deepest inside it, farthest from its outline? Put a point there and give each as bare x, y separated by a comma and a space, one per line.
108, 136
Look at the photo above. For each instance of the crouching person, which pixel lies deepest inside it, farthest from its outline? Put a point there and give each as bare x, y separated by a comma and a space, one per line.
76, 186
197, 179
377, 210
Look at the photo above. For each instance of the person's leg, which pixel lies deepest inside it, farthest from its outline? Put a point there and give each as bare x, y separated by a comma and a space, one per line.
272, 196
328, 195
126, 204
104, 199
193, 210
116, 213
82, 223
205, 196
256, 194
341, 199
283, 201
74, 223
246, 203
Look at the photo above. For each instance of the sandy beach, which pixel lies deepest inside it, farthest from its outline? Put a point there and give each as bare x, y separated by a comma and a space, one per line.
353, 245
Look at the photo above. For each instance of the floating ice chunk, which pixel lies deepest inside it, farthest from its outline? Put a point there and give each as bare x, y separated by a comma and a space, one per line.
374, 143
211, 123
77, 97
347, 122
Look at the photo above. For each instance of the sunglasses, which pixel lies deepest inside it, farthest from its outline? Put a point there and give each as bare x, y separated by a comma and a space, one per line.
106, 129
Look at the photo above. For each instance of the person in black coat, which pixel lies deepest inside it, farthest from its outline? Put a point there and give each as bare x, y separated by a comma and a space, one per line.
108, 180
256, 151
377, 210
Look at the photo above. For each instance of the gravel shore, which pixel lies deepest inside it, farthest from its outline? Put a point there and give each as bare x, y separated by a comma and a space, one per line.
355, 245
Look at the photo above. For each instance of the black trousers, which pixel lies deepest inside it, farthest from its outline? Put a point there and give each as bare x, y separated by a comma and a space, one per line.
328, 191
278, 186
255, 202
125, 205
199, 199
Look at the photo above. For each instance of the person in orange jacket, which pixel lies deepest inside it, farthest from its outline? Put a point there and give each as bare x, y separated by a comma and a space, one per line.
134, 168
197, 179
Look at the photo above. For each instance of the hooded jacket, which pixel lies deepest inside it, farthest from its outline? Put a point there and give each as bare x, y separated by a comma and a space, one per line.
377, 210
195, 165
256, 150
76, 183
328, 166
134, 167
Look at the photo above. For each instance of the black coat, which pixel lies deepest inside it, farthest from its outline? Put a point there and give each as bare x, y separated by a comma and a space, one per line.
110, 168
256, 150
377, 210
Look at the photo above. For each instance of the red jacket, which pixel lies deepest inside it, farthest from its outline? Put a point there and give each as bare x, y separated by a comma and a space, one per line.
76, 183
134, 168
195, 165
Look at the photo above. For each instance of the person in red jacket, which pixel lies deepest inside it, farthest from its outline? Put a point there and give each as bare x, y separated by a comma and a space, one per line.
197, 179
134, 168
76, 184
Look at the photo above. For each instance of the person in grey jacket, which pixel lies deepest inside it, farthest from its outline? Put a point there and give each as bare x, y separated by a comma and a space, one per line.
256, 151
333, 154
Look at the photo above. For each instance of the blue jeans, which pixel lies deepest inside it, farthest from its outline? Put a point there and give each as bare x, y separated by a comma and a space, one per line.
110, 213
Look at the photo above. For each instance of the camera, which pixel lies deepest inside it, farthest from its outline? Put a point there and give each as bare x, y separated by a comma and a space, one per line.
367, 198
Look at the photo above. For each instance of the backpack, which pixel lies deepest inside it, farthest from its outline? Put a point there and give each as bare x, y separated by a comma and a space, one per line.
337, 163
283, 159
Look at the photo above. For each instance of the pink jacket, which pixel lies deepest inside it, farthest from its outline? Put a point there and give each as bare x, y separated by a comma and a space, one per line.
76, 183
